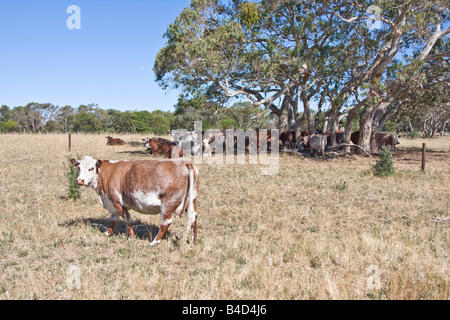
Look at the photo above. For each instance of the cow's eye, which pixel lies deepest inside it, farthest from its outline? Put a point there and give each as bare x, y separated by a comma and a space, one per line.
91, 169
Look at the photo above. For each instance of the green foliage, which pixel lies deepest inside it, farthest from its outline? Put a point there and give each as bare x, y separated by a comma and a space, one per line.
341, 186
9, 126
390, 126
385, 166
86, 122
227, 123
51, 126
249, 14
413, 135
73, 190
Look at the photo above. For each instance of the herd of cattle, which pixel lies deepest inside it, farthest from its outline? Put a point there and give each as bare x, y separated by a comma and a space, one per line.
190, 140
170, 188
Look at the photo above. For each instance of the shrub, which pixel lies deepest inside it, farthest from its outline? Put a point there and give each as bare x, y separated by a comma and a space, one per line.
73, 190
385, 166
413, 135
9, 126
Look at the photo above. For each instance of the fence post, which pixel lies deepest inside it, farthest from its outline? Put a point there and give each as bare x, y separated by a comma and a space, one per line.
423, 156
70, 142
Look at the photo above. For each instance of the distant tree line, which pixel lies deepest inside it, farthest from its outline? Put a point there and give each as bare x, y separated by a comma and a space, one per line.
48, 118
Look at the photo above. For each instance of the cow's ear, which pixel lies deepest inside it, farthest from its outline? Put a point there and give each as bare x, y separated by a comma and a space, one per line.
98, 164
75, 162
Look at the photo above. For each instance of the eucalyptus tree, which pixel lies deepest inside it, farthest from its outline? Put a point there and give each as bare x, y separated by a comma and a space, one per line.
395, 52
265, 51
296, 51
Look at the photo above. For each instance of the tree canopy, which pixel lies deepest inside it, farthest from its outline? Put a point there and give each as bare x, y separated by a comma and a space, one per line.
350, 57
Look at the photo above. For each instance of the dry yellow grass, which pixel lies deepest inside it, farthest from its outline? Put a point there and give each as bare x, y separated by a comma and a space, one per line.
320, 229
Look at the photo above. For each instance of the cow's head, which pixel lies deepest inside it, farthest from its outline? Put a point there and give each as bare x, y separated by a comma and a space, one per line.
146, 142
87, 171
155, 145
396, 139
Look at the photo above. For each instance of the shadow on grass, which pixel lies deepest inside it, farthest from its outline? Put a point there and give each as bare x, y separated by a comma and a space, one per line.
142, 231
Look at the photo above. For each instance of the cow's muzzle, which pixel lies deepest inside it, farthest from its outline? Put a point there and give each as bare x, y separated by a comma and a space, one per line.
80, 182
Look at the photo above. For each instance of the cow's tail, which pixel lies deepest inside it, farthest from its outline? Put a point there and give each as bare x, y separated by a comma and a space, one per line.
191, 215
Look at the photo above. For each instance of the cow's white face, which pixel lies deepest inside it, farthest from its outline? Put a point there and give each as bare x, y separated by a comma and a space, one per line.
87, 171
396, 139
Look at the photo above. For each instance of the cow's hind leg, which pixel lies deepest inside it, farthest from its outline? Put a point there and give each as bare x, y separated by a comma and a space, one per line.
166, 221
131, 233
194, 225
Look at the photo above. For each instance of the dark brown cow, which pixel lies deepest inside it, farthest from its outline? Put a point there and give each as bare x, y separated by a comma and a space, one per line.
288, 139
161, 146
381, 139
148, 187
252, 140
114, 141
339, 137
354, 137
385, 139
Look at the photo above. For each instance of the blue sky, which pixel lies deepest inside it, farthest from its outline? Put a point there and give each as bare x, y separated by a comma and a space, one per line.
108, 61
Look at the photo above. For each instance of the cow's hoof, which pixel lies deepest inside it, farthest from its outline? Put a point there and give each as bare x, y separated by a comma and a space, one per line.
154, 243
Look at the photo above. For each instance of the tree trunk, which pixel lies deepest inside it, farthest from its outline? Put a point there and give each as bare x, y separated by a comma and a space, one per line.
283, 120
349, 126
306, 108
365, 128
333, 122
379, 119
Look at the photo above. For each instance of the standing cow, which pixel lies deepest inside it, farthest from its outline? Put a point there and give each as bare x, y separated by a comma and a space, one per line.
317, 142
385, 139
148, 187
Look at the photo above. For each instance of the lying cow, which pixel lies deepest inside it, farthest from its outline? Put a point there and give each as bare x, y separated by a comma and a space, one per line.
385, 139
317, 142
148, 187
161, 146
114, 141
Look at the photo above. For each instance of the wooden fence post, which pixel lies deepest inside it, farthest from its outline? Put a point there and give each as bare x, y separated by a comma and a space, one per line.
423, 156
70, 142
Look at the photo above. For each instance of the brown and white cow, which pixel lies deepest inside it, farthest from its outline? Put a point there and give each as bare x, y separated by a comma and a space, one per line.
161, 146
114, 141
385, 139
150, 187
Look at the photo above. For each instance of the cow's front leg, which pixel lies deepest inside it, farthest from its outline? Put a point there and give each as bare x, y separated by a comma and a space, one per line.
113, 219
123, 212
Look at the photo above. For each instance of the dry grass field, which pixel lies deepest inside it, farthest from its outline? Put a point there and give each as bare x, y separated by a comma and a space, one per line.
319, 229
